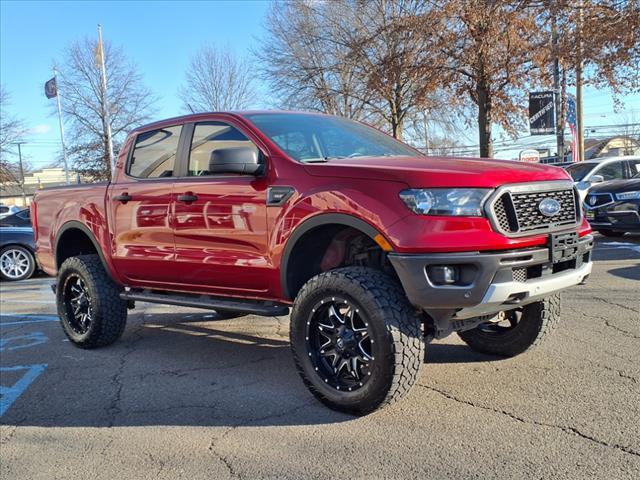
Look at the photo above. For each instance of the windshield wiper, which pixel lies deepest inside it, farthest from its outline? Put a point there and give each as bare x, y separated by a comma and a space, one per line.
321, 159
315, 160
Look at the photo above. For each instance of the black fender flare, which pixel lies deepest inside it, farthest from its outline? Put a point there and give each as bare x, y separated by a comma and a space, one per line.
74, 224
314, 222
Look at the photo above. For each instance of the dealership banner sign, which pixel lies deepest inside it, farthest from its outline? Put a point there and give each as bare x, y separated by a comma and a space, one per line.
542, 113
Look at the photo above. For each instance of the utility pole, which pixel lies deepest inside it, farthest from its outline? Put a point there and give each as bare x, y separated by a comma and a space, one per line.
579, 99
64, 147
24, 195
426, 133
106, 121
559, 100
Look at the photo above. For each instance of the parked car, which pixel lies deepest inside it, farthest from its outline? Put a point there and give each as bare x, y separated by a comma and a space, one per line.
17, 253
21, 218
6, 210
378, 248
588, 173
613, 208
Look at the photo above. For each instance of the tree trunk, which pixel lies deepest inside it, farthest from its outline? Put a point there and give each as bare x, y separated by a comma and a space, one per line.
484, 121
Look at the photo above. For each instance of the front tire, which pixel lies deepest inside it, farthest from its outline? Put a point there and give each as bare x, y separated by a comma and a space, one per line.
89, 304
16, 263
357, 342
525, 328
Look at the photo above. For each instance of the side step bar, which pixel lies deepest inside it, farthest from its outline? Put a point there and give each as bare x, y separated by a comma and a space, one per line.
266, 309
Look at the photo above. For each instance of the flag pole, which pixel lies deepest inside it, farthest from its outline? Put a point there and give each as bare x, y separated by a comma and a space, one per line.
105, 106
64, 146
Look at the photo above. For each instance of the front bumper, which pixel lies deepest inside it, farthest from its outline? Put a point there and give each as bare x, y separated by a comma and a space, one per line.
493, 281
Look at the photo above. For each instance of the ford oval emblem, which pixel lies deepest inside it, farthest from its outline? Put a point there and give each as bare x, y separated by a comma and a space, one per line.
549, 207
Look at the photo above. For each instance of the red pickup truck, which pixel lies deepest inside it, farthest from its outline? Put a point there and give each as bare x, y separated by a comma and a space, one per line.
377, 248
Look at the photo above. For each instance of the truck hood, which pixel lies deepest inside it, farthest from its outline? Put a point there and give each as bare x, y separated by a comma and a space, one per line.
438, 171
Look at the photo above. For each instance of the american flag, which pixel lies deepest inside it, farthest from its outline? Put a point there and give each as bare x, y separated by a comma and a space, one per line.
573, 126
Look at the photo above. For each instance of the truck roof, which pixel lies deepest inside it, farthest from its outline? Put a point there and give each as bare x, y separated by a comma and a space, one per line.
195, 117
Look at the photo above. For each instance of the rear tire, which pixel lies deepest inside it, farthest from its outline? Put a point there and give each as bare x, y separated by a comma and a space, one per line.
16, 263
610, 233
377, 346
89, 304
536, 321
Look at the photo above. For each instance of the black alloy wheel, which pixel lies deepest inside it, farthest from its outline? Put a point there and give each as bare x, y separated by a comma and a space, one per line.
78, 304
339, 343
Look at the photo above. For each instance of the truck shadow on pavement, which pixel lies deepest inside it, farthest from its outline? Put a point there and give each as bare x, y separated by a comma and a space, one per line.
171, 370
631, 273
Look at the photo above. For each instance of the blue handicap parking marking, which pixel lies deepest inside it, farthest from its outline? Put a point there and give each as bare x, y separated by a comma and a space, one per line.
12, 319
9, 394
22, 341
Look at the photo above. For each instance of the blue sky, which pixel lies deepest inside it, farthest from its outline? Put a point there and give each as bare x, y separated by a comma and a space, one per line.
160, 37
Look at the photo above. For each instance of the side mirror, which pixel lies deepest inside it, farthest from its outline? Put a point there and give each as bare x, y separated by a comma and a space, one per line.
241, 160
596, 179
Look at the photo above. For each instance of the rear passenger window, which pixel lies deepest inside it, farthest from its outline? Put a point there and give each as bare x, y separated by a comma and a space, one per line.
154, 153
209, 137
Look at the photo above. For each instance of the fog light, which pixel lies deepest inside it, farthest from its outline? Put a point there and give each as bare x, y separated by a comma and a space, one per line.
444, 274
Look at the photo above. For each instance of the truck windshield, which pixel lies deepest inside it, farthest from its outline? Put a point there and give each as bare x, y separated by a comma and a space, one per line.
320, 138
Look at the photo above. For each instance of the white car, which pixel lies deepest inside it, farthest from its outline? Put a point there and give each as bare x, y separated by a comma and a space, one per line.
5, 210
586, 174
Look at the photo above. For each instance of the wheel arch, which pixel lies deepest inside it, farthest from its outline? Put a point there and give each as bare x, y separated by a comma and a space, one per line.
316, 223
84, 241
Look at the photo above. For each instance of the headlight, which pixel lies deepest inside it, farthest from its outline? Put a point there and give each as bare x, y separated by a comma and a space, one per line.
628, 196
463, 202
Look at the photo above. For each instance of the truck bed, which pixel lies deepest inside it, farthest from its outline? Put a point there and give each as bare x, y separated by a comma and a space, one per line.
55, 207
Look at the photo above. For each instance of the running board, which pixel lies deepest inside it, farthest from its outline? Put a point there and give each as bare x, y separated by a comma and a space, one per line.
266, 309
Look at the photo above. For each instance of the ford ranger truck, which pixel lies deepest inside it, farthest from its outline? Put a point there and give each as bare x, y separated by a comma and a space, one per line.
376, 248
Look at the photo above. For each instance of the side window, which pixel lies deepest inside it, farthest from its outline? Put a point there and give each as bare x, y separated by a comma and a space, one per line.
613, 171
634, 167
209, 137
154, 153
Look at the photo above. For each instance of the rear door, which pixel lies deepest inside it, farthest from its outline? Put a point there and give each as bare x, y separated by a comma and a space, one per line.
143, 246
220, 225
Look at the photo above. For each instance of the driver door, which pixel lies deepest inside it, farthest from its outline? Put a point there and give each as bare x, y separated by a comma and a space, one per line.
220, 223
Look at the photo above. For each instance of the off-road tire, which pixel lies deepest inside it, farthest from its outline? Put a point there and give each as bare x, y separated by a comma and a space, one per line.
610, 233
538, 320
109, 311
30, 259
395, 327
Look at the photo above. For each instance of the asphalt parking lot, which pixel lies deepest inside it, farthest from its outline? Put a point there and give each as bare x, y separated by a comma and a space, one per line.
182, 395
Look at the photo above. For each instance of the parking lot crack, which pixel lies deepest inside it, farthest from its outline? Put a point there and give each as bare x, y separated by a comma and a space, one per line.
568, 430
213, 445
117, 379
614, 304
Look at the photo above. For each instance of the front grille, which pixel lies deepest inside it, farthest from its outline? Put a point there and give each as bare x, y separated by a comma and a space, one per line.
516, 209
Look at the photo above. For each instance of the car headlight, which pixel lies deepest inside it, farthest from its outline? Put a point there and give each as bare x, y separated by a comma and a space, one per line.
464, 202
628, 196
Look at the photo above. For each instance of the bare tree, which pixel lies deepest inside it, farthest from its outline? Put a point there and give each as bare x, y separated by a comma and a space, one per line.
493, 53
11, 130
306, 63
128, 100
356, 59
217, 80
